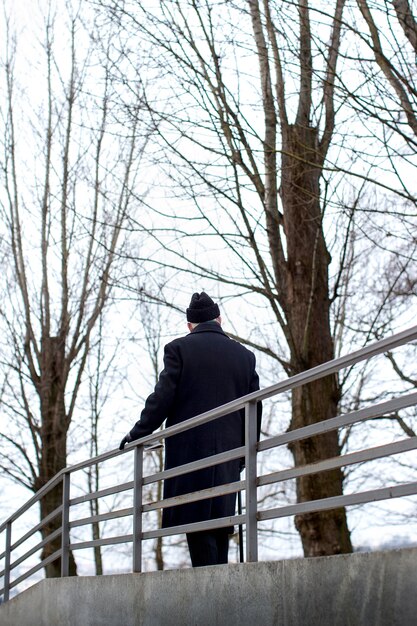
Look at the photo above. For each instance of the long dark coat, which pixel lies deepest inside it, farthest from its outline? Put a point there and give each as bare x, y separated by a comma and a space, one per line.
201, 371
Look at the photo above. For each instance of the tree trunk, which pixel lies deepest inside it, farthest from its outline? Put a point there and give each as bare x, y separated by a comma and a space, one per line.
54, 445
308, 307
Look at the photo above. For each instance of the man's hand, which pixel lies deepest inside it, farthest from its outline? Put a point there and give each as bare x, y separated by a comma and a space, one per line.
126, 439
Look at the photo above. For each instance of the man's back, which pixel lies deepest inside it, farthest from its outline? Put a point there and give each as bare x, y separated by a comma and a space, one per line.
214, 370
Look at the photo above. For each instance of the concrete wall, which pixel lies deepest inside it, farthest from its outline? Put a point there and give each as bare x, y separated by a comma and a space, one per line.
366, 589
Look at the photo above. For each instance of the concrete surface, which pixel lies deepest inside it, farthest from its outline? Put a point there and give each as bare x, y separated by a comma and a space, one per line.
364, 589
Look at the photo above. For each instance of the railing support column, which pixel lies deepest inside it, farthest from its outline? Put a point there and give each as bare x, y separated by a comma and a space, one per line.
65, 534
251, 487
7, 561
137, 509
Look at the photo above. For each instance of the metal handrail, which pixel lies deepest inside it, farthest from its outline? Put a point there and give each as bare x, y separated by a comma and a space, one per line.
249, 451
308, 376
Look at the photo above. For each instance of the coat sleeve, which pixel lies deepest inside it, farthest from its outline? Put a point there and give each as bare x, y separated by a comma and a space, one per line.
159, 404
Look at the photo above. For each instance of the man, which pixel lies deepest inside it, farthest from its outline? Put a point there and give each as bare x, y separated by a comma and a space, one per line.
201, 371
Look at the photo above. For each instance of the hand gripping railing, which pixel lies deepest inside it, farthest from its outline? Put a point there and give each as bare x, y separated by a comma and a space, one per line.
250, 484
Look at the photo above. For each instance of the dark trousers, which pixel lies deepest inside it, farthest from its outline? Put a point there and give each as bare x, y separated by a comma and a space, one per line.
208, 547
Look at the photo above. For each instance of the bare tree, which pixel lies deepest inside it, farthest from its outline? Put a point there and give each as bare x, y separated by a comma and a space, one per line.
67, 194
386, 100
394, 55
245, 119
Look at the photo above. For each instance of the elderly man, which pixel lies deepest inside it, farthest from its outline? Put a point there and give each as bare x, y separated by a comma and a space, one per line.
201, 371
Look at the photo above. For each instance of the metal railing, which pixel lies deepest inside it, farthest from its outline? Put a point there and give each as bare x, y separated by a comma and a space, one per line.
249, 485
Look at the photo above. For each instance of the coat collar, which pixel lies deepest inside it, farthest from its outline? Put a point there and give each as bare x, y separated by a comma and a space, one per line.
211, 327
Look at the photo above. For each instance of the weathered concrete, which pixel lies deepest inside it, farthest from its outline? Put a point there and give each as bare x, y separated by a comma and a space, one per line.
364, 589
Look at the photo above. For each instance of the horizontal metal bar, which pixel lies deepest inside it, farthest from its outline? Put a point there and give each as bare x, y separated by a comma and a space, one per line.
49, 559
41, 544
101, 517
161, 532
203, 494
109, 541
338, 422
111, 454
56, 533
335, 365
34, 499
221, 522
208, 461
370, 454
325, 504
42, 523
102, 493
38, 546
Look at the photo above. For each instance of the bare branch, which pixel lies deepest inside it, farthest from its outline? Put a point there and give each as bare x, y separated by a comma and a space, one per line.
387, 67
329, 83
407, 21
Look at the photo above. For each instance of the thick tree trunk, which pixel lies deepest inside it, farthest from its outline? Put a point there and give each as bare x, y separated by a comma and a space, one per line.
308, 308
54, 450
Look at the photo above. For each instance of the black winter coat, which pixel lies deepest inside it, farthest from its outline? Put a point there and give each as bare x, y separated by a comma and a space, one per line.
201, 371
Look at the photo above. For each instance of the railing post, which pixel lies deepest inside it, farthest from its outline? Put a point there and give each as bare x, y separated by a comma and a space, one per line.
7, 561
65, 534
251, 486
137, 509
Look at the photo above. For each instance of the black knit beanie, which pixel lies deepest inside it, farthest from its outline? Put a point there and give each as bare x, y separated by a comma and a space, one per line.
202, 309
